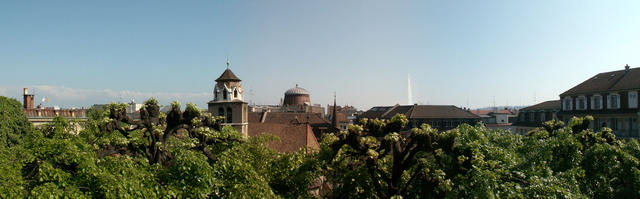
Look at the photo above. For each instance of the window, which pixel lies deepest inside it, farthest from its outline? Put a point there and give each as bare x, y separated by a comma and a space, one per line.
235, 93
229, 116
542, 117
582, 103
224, 94
596, 102
633, 99
532, 117
215, 94
568, 104
614, 101
614, 124
221, 111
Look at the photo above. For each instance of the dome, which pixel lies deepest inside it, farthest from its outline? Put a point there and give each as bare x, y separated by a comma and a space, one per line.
296, 91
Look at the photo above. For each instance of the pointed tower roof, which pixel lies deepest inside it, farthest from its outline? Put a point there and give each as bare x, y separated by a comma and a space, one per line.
227, 75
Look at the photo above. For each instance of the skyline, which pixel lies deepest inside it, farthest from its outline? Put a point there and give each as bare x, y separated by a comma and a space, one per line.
85, 53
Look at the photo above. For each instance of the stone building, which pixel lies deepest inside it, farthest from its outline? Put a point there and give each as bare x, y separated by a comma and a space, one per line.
610, 97
228, 101
39, 115
296, 129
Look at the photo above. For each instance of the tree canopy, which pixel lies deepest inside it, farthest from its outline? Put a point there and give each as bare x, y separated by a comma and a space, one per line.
189, 154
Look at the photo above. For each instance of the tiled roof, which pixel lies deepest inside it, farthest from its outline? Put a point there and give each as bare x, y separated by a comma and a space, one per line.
375, 112
227, 75
342, 118
608, 81
419, 112
285, 118
487, 112
292, 136
432, 111
47, 113
548, 105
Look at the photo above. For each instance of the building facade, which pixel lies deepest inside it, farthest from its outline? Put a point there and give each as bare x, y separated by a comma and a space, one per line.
441, 117
533, 117
610, 97
228, 102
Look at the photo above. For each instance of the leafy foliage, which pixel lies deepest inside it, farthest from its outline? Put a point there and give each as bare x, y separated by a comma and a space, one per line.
556, 161
181, 154
189, 154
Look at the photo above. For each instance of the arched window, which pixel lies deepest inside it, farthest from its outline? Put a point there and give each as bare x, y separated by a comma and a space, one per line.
229, 115
235, 93
221, 111
224, 94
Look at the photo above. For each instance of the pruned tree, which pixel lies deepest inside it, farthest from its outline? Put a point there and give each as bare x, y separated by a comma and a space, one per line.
157, 129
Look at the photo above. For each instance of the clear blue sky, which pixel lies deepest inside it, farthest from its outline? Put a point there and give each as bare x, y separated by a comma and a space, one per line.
79, 53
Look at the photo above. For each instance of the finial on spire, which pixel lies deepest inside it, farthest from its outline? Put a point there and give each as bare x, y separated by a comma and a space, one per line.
228, 62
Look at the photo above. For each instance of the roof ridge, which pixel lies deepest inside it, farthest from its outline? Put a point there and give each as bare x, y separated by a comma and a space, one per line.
388, 111
625, 72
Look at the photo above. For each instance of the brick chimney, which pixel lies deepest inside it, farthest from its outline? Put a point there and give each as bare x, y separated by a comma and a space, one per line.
28, 99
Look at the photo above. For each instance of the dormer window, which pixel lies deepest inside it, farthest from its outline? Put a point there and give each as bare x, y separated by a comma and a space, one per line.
582, 103
568, 104
633, 99
613, 101
596, 102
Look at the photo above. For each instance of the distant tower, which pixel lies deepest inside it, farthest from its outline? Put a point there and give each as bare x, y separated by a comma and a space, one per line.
334, 119
228, 102
28, 99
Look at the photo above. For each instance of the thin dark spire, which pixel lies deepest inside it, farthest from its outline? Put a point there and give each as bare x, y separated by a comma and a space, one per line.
334, 120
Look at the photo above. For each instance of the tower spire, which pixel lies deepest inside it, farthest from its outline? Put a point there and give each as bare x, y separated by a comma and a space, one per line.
334, 120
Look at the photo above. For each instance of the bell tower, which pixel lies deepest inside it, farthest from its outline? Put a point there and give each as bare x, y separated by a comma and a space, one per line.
228, 101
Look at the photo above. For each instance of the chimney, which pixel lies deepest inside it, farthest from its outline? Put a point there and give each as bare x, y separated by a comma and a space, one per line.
28, 99
626, 67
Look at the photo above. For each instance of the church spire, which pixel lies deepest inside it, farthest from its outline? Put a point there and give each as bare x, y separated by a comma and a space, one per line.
334, 120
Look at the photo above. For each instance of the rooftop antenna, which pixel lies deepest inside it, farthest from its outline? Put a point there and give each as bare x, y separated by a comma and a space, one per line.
494, 101
410, 100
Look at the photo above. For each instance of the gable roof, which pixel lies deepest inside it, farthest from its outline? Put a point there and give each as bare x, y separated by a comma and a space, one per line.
292, 136
433, 111
608, 81
285, 118
227, 75
375, 112
548, 105
419, 112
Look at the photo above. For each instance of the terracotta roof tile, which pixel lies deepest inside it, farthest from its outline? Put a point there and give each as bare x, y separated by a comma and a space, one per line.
292, 137
286, 118
43, 113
